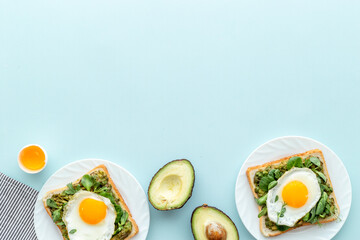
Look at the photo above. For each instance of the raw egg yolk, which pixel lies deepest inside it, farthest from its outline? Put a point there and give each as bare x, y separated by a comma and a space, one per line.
32, 157
295, 194
92, 211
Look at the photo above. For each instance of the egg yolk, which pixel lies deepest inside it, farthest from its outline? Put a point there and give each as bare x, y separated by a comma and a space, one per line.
295, 194
92, 211
32, 157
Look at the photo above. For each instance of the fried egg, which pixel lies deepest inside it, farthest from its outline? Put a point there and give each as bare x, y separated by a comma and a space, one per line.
89, 216
297, 191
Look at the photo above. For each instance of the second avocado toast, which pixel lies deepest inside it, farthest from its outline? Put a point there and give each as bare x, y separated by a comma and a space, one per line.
98, 183
264, 179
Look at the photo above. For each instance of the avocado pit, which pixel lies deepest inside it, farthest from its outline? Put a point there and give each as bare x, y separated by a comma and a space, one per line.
210, 223
215, 231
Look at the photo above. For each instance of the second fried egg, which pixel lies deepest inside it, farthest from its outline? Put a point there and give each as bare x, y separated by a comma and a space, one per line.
89, 216
297, 191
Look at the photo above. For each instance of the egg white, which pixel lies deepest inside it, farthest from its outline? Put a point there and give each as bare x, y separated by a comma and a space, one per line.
292, 215
101, 231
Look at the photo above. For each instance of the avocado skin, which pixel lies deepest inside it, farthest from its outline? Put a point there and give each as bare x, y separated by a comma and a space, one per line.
206, 206
192, 187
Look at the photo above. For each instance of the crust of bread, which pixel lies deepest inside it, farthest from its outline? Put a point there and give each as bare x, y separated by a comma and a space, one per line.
135, 228
250, 172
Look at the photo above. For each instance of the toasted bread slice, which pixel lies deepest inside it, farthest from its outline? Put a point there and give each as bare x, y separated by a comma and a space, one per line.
116, 192
250, 172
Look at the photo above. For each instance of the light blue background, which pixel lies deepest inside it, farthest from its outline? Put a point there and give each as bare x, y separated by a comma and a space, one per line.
141, 83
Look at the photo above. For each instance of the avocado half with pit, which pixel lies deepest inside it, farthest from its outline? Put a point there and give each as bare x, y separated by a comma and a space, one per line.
210, 223
171, 187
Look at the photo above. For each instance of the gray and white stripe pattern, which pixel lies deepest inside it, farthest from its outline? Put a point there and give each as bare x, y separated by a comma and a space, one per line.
16, 210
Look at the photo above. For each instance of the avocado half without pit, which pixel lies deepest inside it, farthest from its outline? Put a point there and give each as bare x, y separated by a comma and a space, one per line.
172, 185
210, 223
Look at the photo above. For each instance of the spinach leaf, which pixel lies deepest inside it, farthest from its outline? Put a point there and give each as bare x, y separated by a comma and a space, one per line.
262, 212
272, 184
314, 220
327, 206
306, 217
327, 211
264, 183
315, 161
71, 190
308, 163
103, 189
272, 173
109, 196
119, 213
56, 215
278, 174
51, 203
321, 175
96, 185
262, 200
321, 204
320, 207
312, 213
87, 181
118, 230
282, 227
325, 188
124, 217
281, 213
294, 162
72, 231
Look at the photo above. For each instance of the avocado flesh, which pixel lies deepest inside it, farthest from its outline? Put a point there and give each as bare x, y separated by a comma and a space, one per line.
172, 185
204, 216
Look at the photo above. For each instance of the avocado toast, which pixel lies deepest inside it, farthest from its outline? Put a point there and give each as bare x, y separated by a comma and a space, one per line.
264, 177
97, 181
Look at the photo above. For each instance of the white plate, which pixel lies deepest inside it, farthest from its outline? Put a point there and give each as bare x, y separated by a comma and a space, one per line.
126, 183
279, 148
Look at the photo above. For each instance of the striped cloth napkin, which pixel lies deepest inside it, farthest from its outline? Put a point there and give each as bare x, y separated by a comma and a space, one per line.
16, 210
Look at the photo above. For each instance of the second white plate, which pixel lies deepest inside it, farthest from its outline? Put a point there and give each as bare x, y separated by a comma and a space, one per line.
128, 186
279, 148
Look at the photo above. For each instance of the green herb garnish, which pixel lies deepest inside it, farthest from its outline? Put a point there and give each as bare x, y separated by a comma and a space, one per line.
307, 163
282, 227
272, 184
321, 204
262, 212
306, 217
315, 161
87, 181
51, 203
71, 190
281, 213
294, 162
262, 200
278, 174
320, 175
56, 215
264, 182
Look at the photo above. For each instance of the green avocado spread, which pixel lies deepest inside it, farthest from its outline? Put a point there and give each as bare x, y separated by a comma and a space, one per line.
98, 183
265, 179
